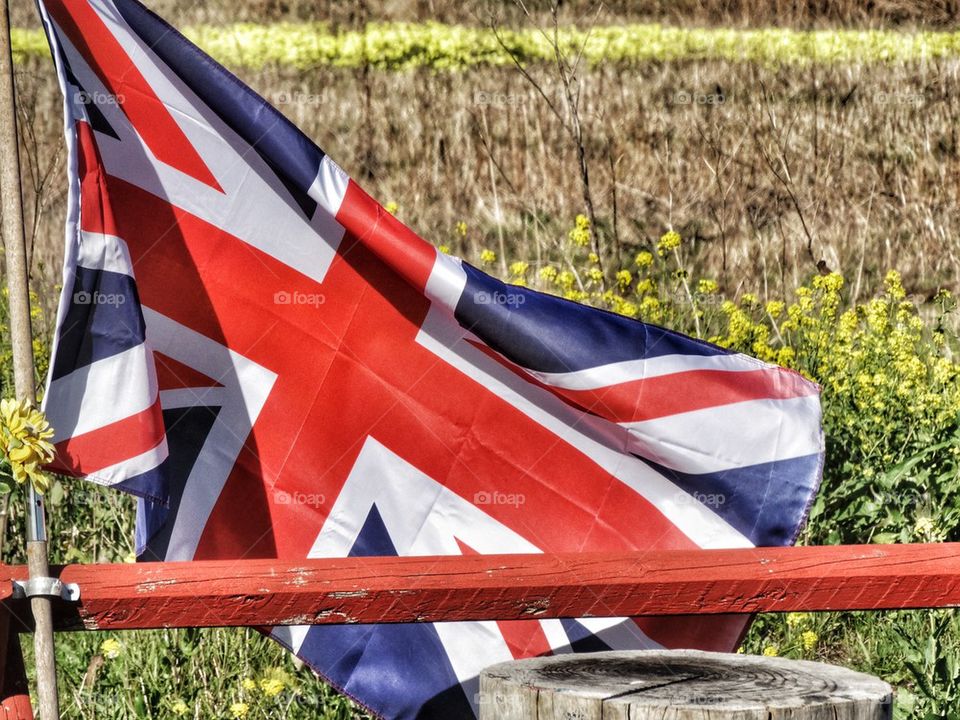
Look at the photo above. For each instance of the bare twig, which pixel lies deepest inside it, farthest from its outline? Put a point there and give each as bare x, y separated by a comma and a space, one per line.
569, 114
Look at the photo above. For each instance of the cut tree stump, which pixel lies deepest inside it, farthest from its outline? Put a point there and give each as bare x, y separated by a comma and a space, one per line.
678, 685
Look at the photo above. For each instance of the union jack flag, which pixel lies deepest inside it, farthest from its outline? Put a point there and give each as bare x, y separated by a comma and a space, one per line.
279, 368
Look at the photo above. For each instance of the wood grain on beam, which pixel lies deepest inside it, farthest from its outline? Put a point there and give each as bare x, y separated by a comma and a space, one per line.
503, 587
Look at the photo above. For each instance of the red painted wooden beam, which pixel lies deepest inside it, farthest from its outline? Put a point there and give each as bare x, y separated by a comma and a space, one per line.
503, 587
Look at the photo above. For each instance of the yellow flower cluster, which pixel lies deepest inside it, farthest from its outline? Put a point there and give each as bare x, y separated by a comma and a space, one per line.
890, 395
668, 241
566, 284
548, 274
111, 648
797, 619
580, 234
437, 46
890, 387
41, 338
775, 308
25, 443
271, 685
925, 529
488, 257
519, 270
707, 287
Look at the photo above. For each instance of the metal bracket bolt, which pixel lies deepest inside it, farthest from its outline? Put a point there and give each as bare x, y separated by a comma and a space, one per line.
45, 587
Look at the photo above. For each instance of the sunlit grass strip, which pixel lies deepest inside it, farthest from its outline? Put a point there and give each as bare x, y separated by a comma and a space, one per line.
27, 43
398, 46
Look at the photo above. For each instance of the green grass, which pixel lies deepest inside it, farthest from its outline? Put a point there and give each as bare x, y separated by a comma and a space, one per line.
192, 673
400, 46
188, 673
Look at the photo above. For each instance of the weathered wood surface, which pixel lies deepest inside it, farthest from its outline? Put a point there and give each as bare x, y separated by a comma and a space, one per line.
502, 587
14, 689
678, 685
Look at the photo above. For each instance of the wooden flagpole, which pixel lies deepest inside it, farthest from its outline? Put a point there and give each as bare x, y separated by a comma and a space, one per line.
11, 205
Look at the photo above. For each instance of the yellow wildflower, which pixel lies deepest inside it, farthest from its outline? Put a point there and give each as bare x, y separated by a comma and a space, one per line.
548, 273
786, 356
629, 309
707, 287
566, 279
894, 285
391, 207
650, 308
924, 526
249, 684
445, 249
809, 640
111, 648
775, 308
580, 234
271, 687
830, 283
771, 651
461, 229
25, 442
239, 710
646, 286
624, 278
668, 241
179, 707
795, 619
519, 269
644, 259
488, 257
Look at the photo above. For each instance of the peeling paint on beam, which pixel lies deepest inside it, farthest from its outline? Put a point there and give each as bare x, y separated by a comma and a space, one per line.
503, 587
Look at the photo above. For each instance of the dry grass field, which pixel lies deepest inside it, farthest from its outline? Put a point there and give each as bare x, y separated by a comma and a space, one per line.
767, 171
731, 13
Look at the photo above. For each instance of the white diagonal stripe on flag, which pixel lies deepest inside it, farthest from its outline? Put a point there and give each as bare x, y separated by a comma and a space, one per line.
730, 436
73, 410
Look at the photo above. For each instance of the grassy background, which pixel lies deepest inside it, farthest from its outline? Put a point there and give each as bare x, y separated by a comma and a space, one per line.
765, 168
871, 150
401, 46
731, 13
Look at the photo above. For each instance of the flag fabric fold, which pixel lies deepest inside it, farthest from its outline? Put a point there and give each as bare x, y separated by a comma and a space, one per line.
278, 367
